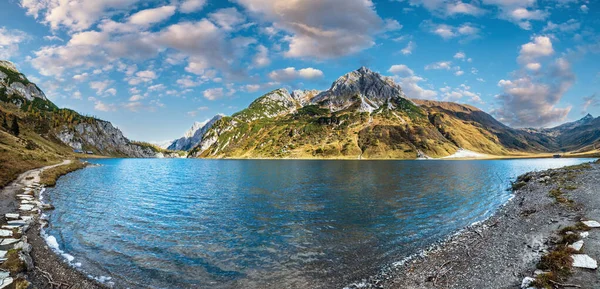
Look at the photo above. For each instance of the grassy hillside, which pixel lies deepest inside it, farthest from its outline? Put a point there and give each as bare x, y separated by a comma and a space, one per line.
27, 151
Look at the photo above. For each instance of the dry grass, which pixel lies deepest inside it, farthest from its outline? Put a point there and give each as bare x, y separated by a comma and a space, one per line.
13, 263
49, 177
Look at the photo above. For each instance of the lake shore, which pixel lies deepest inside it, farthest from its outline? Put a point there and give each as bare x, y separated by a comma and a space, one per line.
37, 264
506, 248
496, 253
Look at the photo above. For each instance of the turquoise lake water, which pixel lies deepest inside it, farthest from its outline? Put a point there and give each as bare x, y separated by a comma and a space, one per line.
190, 223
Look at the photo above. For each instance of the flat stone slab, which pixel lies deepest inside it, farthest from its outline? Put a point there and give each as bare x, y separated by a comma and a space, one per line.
584, 261
9, 241
11, 216
577, 245
2, 255
592, 224
526, 283
25, 196
584, 234
6, 282
26, 207
19, 223
4, 275
5, 233
26, 218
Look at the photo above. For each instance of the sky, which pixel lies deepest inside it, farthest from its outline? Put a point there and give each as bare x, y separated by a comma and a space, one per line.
153, 67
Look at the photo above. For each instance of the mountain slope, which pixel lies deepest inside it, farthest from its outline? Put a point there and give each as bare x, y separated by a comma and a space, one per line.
22, 99
194, 135
362, 115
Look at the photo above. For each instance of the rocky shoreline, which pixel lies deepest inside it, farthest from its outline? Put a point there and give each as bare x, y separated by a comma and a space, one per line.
26, 261
506, 250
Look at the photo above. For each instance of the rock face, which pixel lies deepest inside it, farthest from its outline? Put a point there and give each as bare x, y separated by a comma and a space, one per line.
104, 137
78, 132
363, 87
194, 135
15, 82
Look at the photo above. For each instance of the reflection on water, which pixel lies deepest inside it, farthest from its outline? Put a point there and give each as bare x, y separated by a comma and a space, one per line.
182, 223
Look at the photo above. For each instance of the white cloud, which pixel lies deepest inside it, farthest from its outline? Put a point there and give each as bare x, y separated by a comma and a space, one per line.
531, 100
533, 66
409, 82
401, 70
571, 25
101, 106
136, 97
447, 65
449, 7
9, 42
189, 6
584, 8
261, 59
151, 16
465, 30
290, 74
75, 15
228, 18
187, 81
460, 55
409, 48
81, 77
540, 46
313, 31
100, 86
214, 93
142, 77
459, 73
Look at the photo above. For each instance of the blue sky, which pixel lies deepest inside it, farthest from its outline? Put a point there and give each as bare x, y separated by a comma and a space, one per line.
154, 67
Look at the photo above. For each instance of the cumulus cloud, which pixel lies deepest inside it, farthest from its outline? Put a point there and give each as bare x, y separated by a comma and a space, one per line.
409, 82
464, 31
314, 31
100, 86
151, 16
460, 93
449, 7
531, 100
228, 18
571, 25
75, 15
460, 55
584, 9
401, 70
531, 52
9, 42
290, 73
261, 58
214, 93
441, 65
409, 48
189, 6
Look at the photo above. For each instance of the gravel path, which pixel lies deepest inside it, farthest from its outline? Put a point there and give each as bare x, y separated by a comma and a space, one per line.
42, 256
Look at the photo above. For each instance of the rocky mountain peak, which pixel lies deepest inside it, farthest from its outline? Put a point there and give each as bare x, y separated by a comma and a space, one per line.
194, 135
588, 117
9, 65
370, 89
195, 127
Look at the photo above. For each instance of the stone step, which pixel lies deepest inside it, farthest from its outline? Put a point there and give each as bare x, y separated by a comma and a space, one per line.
6, 282
592, 224
577, 245
6, 233
11, 216
8, 241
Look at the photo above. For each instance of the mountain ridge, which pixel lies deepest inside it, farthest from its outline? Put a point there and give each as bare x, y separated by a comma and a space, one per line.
373, 118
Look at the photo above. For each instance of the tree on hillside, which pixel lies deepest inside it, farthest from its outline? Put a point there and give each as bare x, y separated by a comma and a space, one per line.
14, 128
4, 124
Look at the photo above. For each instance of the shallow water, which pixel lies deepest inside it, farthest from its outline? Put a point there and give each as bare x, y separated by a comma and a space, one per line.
190, 223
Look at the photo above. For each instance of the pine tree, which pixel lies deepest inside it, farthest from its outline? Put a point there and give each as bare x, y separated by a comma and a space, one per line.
4, 124
14, 128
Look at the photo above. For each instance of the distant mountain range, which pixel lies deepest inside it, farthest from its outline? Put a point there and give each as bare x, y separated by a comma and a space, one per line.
366, 115
362, 115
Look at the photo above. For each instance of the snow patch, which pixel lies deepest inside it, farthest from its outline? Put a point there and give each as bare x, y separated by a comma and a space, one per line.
465, 154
